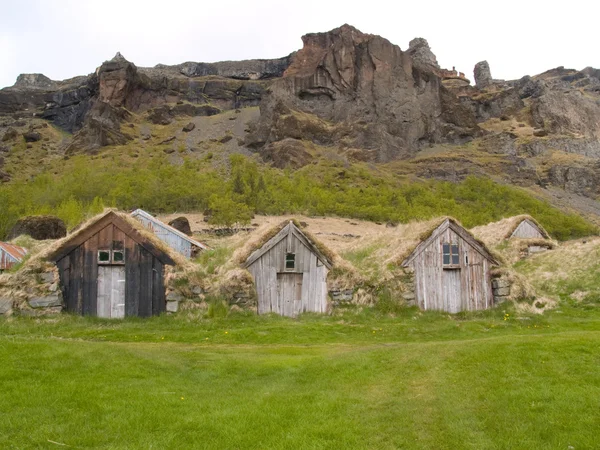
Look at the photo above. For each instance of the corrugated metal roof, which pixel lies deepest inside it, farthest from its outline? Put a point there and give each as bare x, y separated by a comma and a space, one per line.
151, 218
10, 254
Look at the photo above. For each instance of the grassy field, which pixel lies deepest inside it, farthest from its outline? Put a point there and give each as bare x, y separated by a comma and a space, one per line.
493, 380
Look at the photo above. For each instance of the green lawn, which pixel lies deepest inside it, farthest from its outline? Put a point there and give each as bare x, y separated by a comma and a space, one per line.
357, 380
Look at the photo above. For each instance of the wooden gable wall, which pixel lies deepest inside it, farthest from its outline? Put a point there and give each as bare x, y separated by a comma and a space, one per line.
527, 230
467, 287
144, 272
281, 292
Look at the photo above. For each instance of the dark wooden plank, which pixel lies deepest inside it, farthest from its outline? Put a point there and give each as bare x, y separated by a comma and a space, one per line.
64, 273
75, 281
90, 276
145, 302
132, 277
158, 288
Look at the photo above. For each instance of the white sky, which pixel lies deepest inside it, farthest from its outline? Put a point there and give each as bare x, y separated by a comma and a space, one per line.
65, 38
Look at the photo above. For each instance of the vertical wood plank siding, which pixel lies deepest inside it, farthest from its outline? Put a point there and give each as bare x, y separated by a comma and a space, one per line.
465, 287
177, 241
527, 230
269, 272
144, 275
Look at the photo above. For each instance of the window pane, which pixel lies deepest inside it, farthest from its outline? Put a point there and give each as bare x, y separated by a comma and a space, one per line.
454, 259
118, 256
290, 260
455, 249
446, 259
446, 248
104, 256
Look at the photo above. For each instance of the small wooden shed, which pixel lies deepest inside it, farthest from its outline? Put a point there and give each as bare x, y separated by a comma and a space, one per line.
525, 227
452, 270
290, 273
523, 234
10, 255
175, 239
112, 267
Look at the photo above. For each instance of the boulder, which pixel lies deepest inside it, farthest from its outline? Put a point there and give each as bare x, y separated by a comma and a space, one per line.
173, 306
189, 127
182, 224
32, 136
482, 74
39, 227
160, 115
46, 302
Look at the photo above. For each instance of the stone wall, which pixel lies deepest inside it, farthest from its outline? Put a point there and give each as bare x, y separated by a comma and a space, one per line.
37, 294
501, 289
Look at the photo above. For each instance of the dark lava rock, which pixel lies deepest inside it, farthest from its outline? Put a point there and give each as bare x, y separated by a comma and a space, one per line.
189, 127
32, 136
182, 224
39, 227
102, 127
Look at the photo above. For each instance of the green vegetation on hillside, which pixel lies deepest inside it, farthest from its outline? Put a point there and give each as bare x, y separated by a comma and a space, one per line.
489, 380
83, 186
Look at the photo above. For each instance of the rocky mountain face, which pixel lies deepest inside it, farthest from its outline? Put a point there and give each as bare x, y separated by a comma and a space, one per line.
355, 94
359, 91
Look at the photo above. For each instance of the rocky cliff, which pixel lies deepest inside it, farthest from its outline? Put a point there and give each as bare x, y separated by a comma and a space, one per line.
359, 91
357, 95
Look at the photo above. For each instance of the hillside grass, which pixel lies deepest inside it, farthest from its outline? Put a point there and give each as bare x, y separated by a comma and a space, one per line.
570, 273
490, 380
80, 186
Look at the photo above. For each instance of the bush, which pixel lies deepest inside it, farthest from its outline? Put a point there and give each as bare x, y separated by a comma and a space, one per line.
325, 188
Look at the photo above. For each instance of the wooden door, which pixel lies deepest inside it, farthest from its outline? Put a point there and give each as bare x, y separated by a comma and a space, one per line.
289, 294
111, 292
452, 291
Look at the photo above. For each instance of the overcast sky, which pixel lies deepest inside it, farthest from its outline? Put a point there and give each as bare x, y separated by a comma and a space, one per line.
65, 38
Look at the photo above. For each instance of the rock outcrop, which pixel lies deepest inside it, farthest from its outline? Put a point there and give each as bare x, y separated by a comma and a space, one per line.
360, 91
482, 75
39, 227
182, 224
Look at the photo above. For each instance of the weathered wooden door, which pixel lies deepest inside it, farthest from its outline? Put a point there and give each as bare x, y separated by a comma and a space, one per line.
111, 292
289, 294
452, 290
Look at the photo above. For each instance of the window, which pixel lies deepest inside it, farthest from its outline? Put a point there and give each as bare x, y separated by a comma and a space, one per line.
118, 256
450, 254
104, 256
111, 257
290, 261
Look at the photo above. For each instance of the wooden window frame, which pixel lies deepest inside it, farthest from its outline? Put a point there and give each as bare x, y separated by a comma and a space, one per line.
115, 262
452, 256
292, 260
111, 258
107, 261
